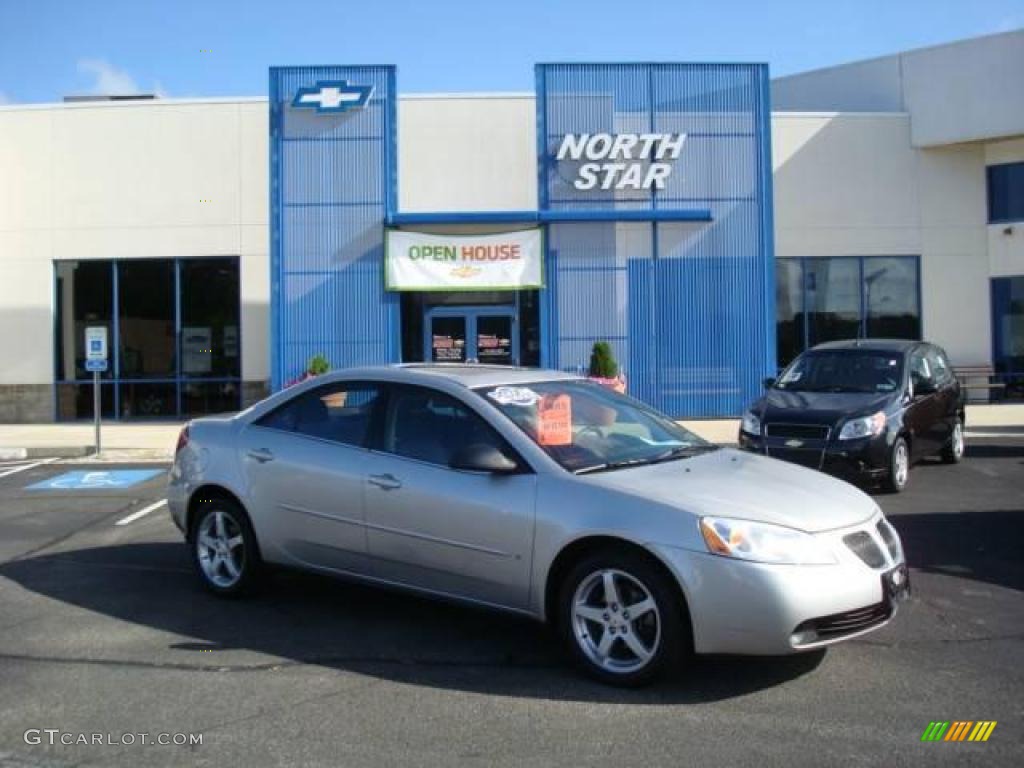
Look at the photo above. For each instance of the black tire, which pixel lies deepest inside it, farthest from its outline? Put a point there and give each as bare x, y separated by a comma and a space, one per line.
245, 557
632, 573
953, 451
895, 479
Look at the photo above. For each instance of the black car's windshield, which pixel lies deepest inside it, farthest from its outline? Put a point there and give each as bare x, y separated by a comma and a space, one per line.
586, 427
843, 371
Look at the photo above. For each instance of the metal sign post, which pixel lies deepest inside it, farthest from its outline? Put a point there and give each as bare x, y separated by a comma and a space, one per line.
96, 361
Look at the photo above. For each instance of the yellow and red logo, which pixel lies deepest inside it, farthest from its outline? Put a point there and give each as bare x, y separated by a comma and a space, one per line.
958, 730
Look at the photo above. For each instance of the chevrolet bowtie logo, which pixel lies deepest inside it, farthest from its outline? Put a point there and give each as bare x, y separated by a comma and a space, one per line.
333, 96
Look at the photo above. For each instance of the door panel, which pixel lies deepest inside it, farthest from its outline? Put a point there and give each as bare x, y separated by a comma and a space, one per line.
430, 526
305, 463
308, 497
461, 533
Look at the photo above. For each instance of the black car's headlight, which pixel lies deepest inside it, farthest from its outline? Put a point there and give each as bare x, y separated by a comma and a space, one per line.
867, 426
751, 424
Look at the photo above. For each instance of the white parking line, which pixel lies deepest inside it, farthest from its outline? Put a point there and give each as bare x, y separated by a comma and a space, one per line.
22, 468
141, 513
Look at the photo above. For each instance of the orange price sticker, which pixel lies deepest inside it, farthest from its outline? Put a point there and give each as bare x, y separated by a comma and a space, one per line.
554, 425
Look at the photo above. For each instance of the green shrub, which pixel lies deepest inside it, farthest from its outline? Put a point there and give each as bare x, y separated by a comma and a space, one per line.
318, 365
602, 361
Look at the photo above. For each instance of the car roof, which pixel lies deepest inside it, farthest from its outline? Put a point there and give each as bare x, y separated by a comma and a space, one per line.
469, 375
871, 345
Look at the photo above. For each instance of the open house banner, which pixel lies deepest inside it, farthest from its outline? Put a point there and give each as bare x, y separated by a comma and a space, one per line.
421, 262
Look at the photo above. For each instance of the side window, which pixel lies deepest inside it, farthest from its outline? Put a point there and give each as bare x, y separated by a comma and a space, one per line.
431, 426
339, 412
919, 368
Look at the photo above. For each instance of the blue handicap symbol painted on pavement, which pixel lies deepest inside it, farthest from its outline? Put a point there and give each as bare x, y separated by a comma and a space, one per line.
89, 480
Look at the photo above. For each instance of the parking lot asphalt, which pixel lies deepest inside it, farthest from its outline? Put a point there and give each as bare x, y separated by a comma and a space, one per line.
104, 630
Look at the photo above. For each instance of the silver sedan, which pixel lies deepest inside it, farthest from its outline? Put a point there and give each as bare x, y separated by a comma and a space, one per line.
544, 494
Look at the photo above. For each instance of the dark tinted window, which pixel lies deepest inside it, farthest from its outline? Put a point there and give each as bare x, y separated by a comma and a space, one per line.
840, 371
1006, 192
431, 426
339, 412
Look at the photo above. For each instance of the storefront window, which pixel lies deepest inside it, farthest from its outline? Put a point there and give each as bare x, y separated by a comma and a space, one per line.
173, 329
85, 297
891, 298
1008, 333
1005, 192
831, 299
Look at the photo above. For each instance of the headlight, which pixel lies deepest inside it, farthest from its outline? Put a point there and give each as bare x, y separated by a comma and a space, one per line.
751, 424
762, 543
869, 426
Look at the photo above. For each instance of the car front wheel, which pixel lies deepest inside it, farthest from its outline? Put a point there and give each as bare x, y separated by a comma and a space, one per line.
899, 466
954, 450
620, 619
224, 550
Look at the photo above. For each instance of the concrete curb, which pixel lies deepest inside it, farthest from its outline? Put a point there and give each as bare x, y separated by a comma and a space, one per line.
45, 452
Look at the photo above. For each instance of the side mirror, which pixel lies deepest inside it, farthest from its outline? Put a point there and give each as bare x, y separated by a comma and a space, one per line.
480, 457
922, 386
768, 383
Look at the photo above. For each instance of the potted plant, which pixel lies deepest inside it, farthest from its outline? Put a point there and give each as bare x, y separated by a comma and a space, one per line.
604, 369
316, 366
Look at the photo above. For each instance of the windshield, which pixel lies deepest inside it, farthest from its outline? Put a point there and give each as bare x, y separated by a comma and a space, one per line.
586, 427
843, 371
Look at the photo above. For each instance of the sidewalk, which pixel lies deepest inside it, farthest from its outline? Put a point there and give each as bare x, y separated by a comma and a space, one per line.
147, 441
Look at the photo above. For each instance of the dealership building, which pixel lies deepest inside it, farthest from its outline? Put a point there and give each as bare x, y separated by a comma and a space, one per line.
707, 221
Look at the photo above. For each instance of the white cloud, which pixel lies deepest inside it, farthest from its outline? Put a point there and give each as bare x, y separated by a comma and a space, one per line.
107, 79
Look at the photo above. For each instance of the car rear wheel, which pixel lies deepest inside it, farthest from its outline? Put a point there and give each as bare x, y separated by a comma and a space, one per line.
224, 550
954, 450
899, 466
620, 619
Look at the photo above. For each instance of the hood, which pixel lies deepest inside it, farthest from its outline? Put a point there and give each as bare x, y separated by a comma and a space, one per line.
731, 483
819, 407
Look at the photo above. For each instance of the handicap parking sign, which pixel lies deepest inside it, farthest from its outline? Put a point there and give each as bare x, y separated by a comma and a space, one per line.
93, 480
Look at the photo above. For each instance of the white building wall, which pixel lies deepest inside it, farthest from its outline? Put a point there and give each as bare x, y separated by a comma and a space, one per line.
852, 185
128, 180
467, 153
1006, 241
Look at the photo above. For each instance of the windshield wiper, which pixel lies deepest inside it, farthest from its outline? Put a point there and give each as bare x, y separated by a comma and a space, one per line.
682, 452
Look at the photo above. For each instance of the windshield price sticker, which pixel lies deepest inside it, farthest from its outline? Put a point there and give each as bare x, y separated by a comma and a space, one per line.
554, 425
514, 396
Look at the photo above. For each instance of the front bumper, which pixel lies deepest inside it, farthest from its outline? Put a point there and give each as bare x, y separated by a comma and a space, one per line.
743, 607
854, 460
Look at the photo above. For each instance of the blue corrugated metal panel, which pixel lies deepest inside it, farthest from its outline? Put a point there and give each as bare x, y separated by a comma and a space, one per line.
332, 187
688, 306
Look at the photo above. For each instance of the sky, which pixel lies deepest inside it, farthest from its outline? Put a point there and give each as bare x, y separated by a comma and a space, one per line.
205, 48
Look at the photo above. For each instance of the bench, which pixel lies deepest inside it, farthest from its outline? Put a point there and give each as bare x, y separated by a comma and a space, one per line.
977, 377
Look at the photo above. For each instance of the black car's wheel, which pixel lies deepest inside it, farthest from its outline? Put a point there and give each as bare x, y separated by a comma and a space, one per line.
953, 452
621, 620
224, 549
899, 466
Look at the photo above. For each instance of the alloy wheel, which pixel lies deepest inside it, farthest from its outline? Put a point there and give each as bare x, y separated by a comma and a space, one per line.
901, 464
958, 440
220, 548
615, 621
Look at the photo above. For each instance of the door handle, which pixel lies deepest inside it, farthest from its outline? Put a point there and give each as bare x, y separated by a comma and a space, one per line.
385, 482
262, 455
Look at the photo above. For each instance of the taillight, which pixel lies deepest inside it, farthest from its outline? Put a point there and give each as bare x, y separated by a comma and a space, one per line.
182, 440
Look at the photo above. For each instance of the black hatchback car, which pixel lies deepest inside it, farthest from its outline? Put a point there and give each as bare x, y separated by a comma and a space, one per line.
862, 410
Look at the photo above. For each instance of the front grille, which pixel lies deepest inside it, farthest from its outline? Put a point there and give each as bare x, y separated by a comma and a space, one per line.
892, 542
839, 624
864, 547
805, 431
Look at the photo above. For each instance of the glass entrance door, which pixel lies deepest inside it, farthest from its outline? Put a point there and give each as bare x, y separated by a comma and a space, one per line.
471, 334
